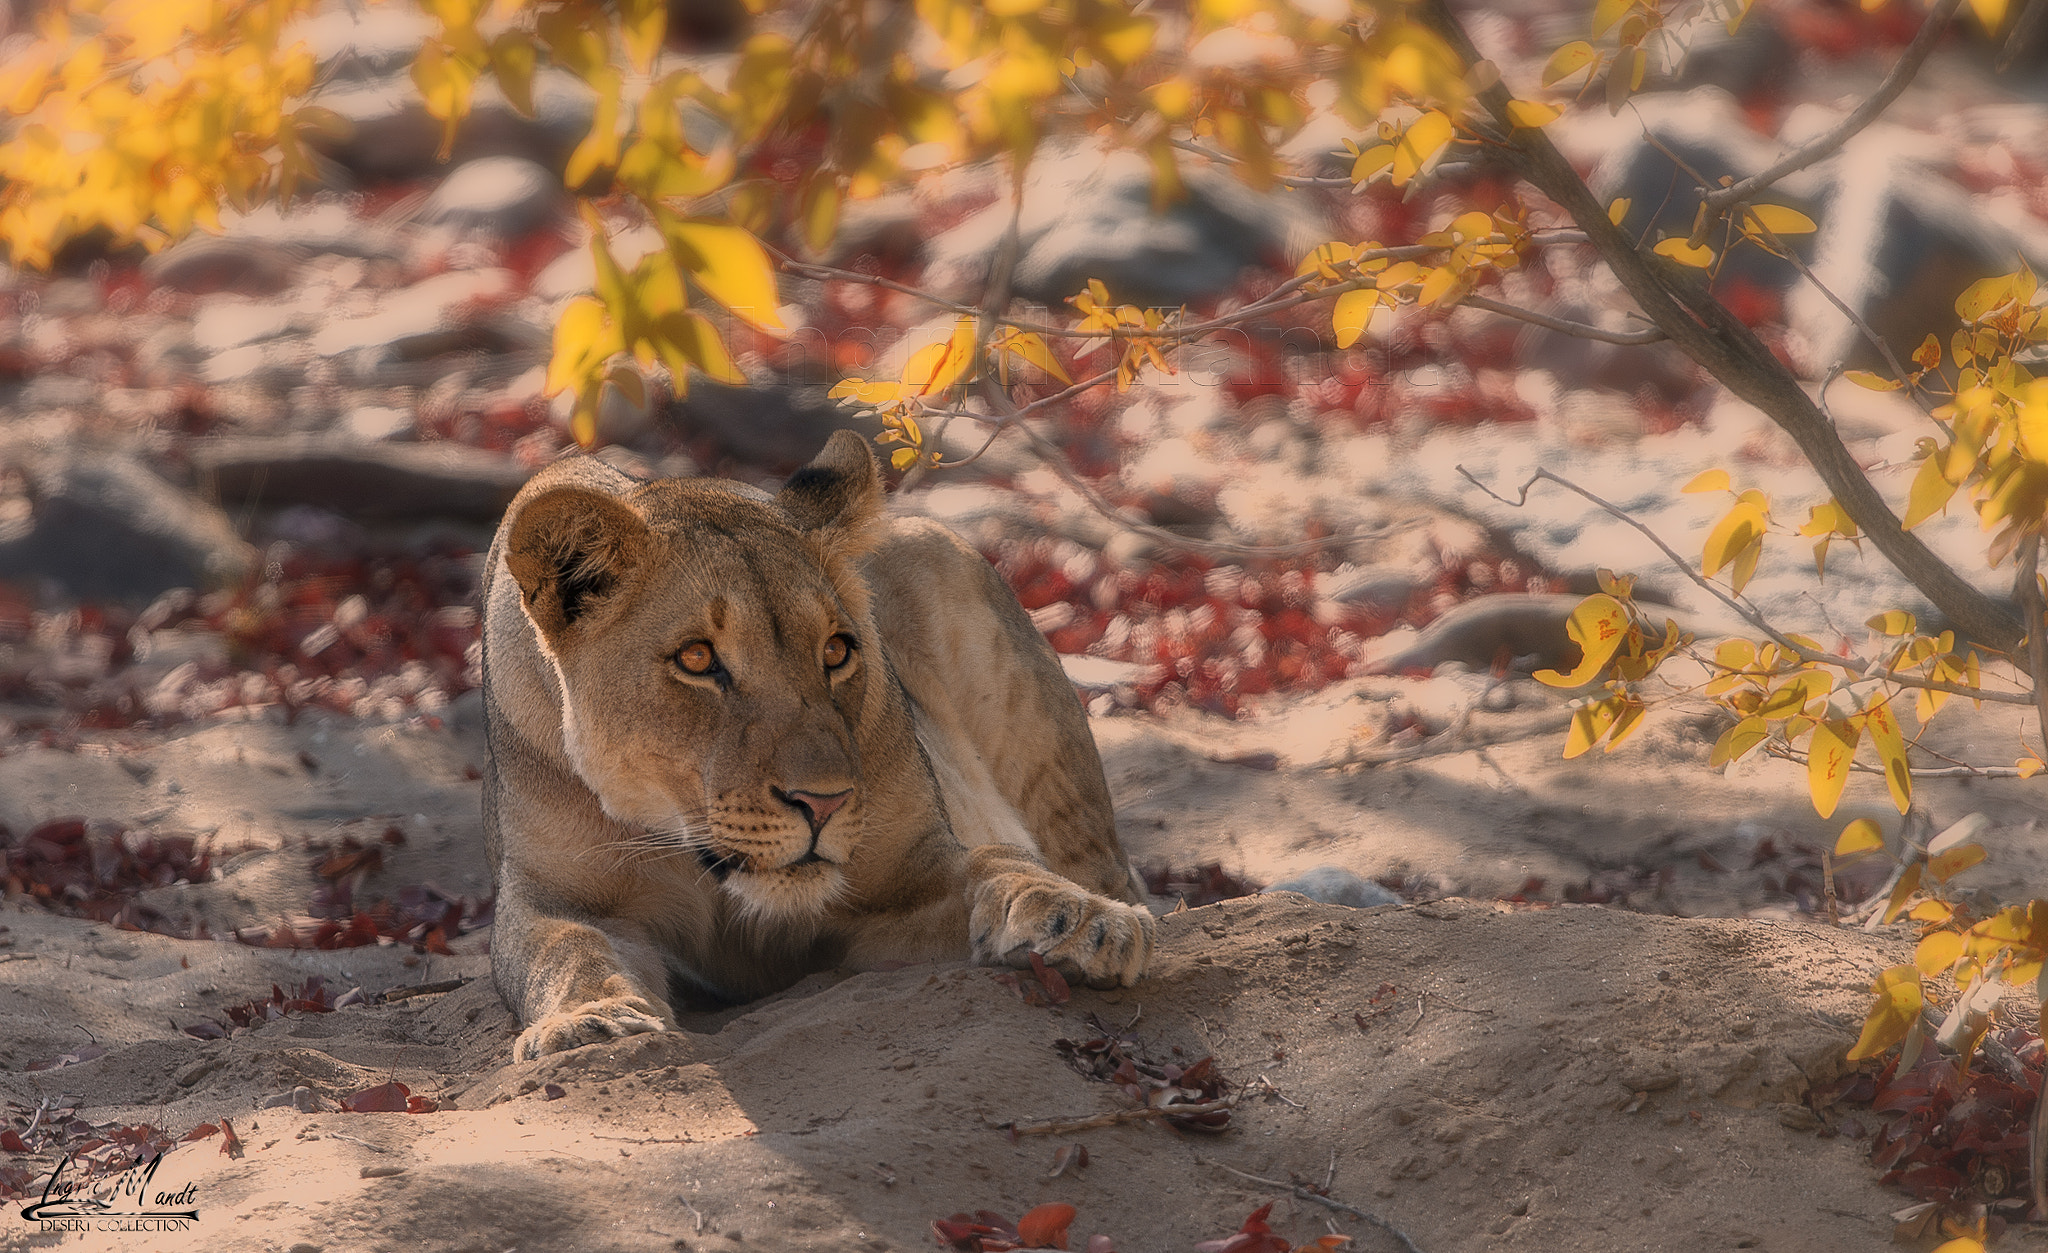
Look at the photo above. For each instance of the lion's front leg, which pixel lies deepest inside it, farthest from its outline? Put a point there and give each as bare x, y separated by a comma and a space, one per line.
574, 982
1017, 907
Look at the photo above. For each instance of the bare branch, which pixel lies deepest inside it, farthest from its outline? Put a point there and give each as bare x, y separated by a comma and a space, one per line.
1748, 612
1902, 72
1919, 772
1328, 1202
1677, 301
1563, 327
1285, 180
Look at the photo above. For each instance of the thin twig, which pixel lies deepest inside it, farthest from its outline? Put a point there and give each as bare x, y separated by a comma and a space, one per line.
1328, 1202
1456, 740
2037, 643
421, 989
1919, 772
1110, 1118
1579, 329
1902, 72
1861, 669
1285, 180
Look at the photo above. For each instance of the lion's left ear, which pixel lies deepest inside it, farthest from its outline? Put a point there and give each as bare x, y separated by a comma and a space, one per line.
838, 496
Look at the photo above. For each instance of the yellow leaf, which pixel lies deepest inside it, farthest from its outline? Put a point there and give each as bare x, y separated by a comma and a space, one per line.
1934, 912
1529, 113
1708, 481
1124, 40
1031, 348
1889, 739
1617, 209
1937, 953
1875, 382
1590, 721
1989, 12
512, 60
1324, 259
1779, 220
903, 458
935, 367
1860, 836
1597, 626
1419, 143
1353, 314
1737, 741
1929, 494
1827, 763
581, 342
1438, 285
1962, 1244
1735, 654
1607, 13
819, 210
1928, 354
730, 265
1685, 254
1893, 622
2029, 767
1902, 891
1894, 1010
1742, 527
1951, 862
1627, 721
1371, 162
1569, 60
689, 339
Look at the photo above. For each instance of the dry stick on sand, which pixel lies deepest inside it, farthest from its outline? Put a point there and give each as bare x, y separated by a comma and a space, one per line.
1110, 1118
1310, 1194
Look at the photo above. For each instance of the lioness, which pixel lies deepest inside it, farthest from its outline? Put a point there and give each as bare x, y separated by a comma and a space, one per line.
737, 738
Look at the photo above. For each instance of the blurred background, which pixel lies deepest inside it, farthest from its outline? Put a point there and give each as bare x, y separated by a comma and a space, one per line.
253, 473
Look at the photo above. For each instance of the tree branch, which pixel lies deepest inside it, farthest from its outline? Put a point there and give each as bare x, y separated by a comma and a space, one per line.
1684, 309
1563, 327
1902, 72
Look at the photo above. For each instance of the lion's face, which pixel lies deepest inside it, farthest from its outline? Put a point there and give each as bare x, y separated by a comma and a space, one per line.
713, 658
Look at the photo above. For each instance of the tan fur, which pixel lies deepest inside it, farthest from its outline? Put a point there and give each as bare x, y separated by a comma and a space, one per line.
655, 833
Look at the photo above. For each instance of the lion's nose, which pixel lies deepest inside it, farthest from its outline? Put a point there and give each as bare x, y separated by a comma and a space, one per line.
818, 808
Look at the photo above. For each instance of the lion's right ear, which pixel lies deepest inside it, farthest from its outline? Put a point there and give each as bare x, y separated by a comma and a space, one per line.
568, 548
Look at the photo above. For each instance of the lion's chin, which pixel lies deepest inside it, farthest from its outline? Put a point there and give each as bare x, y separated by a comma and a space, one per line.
797, 891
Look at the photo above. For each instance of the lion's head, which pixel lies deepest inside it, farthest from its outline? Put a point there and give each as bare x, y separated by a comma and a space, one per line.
716, 661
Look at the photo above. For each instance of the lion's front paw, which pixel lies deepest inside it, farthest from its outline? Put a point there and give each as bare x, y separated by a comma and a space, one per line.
589, 1023
1103, 942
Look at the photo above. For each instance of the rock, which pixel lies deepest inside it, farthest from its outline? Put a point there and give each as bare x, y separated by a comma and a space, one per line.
382, 481
1376, 586
203, 264
1334, 885
773, 429
1478, 632
1088, 214
388, 136
300, 1098
102, 526
507, 196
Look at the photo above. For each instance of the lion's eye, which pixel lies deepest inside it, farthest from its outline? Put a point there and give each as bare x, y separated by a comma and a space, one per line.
838, 650
697, 658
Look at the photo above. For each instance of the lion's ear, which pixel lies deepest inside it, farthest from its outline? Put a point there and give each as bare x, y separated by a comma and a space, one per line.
569, 548
841, 490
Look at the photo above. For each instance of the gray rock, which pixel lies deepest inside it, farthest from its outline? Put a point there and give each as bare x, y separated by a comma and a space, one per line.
380, 481
503, 195
300, 1098
1088, 214
202, 264
101, 526
1334, 885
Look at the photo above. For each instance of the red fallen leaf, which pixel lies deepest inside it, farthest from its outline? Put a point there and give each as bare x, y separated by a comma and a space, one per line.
1254, 1237
232, 1146
385, 1098
1055, 984
200, 1132
1045, 1226
12, 1142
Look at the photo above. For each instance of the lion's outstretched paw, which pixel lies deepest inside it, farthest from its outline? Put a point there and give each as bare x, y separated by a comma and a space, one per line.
1102, 942
589, 1023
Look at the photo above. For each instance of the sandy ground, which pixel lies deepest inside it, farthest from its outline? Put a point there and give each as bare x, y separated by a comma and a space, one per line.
1474, 1073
